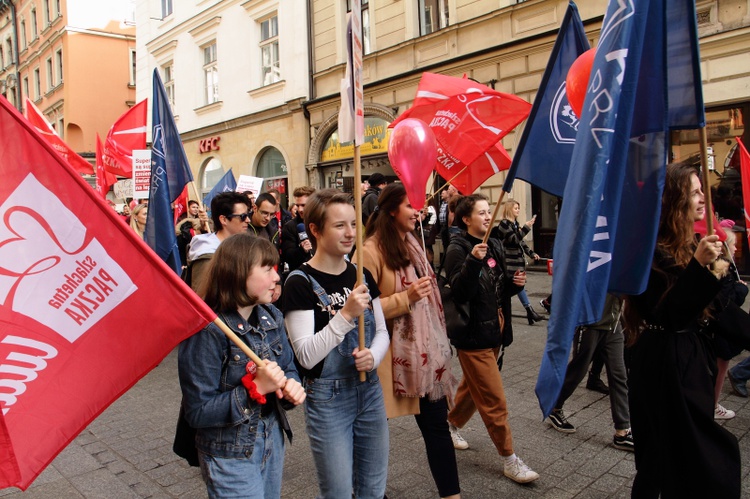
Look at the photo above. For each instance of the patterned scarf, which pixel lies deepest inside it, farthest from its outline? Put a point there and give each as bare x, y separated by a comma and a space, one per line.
421, 350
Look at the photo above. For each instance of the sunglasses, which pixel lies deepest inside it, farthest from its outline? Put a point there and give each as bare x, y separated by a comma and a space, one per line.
243, 216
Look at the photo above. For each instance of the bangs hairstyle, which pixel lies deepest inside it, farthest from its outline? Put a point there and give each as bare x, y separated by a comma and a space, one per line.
315, 209
225, 288
382, 225
223, 204
508, 209
465, 207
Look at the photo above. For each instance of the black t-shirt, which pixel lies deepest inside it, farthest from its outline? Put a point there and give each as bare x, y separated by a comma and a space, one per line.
299, 295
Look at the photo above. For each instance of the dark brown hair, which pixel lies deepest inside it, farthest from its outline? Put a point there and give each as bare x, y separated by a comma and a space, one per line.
225, 288
465, 207
382, 225
304, 190
316, 206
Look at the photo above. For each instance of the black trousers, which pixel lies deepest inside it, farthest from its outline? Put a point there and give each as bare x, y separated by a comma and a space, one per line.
441, 456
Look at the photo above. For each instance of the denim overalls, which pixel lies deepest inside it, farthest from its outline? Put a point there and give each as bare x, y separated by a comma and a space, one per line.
346, 419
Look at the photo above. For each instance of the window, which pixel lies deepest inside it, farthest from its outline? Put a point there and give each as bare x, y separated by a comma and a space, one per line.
433, 15
61, 128
58, 10
211, 73
59, 63
2, 58
132, 66
23, 35
166, 8
9, 51
34, 25
212, 173
50, 75
168, 77
365, 6
47, 17
26, 86
37, 85
269, 51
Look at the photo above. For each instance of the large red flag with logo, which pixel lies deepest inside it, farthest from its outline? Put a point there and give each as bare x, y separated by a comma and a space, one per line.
467, 117
104, 179
128, 133
86, 308
467, 179
745, 173
36, 118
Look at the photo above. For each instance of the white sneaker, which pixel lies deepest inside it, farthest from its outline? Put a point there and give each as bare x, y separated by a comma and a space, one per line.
720, 412
458, 441
517, 471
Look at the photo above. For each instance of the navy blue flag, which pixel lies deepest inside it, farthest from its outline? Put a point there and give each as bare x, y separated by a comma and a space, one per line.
546, 144
170, 171
644, 82
226, 184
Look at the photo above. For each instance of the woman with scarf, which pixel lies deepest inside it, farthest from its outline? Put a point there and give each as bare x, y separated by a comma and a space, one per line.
415, 374
680, 451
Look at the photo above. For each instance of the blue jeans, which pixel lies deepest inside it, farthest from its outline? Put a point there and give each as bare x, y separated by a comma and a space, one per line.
348, 434
741, 372
524, 299
258, 476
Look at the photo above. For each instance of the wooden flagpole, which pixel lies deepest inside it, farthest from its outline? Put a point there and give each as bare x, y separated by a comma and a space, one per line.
494, 216
200, 203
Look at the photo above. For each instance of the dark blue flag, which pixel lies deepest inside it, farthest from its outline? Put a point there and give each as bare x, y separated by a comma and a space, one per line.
645, 81
546, 144
170, 171
227, 183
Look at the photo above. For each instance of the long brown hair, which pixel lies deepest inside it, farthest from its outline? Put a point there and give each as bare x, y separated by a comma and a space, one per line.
676, 236
381, 224
225, 288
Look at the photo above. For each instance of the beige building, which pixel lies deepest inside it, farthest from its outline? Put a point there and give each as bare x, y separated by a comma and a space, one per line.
74, 59
236, 72
504, 44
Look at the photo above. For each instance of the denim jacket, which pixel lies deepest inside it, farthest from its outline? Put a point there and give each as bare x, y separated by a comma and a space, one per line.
211, 367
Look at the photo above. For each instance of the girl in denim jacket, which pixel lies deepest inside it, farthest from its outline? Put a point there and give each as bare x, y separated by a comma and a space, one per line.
237, 408
346, 419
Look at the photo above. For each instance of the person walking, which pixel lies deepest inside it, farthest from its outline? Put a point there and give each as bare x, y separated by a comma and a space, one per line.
415, 374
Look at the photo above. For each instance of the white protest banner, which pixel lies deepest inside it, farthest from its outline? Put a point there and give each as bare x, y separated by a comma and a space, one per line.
249, 183
141, 173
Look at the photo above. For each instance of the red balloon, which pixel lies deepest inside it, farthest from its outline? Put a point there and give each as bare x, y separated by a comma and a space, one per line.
413, 153
578, 79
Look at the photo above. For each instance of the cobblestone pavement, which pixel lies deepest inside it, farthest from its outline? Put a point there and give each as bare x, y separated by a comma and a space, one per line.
127, 451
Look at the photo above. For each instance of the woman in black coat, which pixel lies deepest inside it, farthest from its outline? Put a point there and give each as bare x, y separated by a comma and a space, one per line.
680, 451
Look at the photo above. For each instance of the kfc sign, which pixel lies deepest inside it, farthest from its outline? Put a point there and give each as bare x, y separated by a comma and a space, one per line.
209, 144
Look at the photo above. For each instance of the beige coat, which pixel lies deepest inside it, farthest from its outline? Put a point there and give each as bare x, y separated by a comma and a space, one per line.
394, 304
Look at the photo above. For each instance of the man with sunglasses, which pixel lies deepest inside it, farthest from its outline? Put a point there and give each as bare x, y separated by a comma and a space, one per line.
230, 212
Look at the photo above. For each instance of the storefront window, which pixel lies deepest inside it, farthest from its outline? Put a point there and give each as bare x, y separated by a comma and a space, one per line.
212, 173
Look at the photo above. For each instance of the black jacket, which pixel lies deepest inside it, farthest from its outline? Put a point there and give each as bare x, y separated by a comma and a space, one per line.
291, 252
369, 202
472, 280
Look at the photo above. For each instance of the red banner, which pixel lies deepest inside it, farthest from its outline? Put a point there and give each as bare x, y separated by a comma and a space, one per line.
36, 118
467, 179
128, 133
181, 204
104, 179
745, 174
87, 308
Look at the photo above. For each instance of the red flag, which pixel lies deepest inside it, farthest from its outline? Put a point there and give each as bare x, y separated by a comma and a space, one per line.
128, 133
180, 204
87, 308
36, 118
745, 174
467, 117
468, 179
104, 179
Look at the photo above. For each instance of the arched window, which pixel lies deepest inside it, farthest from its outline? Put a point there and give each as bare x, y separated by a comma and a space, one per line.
273, 170
212, 171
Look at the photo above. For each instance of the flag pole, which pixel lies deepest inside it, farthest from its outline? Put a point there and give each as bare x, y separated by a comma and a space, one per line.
359, 257
494, 216
237, 341
706, 185
200, 203
446, 184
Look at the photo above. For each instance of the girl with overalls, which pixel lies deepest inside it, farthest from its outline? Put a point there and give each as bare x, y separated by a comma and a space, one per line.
346, 419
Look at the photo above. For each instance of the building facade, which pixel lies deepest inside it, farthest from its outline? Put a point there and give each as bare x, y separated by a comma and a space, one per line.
74, 59
237, 74
504, 44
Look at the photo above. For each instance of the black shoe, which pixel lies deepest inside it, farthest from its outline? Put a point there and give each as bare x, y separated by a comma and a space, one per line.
597, 385
532, 315
546, 305
624, 442
559, 422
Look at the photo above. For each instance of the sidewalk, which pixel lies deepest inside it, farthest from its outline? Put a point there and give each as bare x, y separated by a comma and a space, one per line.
127, 451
